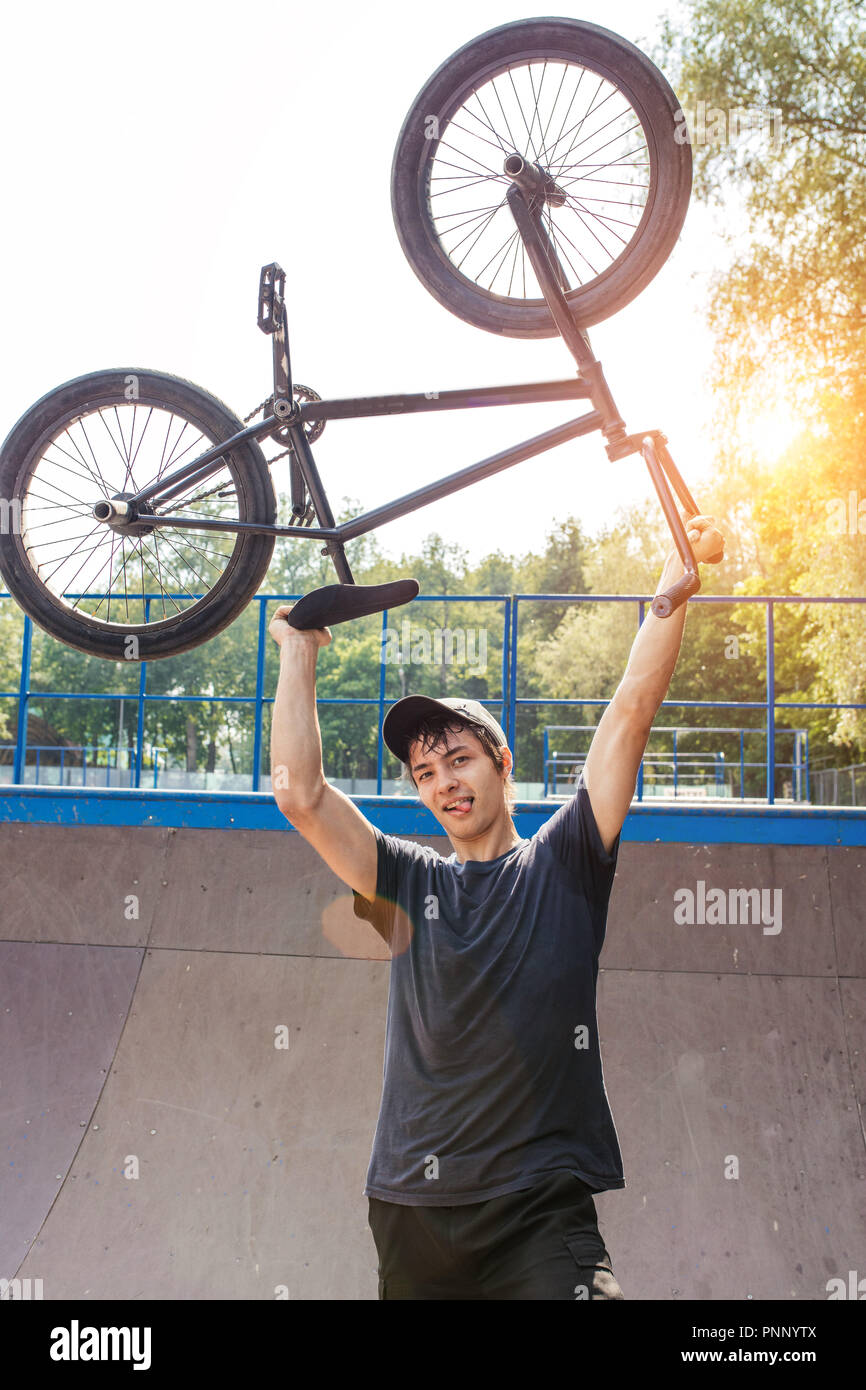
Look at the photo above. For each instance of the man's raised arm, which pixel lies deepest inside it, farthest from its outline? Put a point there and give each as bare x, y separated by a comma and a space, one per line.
327, 818
618, 744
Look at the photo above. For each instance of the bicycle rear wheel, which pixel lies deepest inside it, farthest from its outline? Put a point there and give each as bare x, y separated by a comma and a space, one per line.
596, 119
147, 592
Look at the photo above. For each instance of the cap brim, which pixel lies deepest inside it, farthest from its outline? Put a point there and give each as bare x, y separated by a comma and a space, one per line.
402, 718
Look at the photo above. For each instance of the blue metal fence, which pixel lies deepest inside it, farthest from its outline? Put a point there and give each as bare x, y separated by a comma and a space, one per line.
105, 759
507, 704
684, 766
769, 705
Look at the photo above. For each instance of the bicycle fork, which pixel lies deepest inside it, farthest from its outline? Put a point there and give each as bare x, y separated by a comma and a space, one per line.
537, 185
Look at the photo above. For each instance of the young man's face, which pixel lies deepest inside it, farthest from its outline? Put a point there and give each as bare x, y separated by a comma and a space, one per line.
459, 783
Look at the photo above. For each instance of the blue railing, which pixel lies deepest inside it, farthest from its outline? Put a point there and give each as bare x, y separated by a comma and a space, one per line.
100, 762
507, 703
684, 766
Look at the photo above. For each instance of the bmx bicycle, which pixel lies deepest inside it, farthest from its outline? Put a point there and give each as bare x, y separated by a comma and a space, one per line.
539, 182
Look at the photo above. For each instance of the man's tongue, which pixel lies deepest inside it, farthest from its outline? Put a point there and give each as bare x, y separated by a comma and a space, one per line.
460, 808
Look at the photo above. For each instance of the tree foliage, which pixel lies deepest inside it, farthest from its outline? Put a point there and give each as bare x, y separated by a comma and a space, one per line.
789, 314
792, 301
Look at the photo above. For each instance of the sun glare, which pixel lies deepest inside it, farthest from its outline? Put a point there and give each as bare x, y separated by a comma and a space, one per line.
771, 429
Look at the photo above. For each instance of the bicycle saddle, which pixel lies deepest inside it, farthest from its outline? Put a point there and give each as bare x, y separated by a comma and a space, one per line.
337, 603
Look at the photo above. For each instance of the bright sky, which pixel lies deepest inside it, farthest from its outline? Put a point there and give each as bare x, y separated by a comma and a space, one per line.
157, 155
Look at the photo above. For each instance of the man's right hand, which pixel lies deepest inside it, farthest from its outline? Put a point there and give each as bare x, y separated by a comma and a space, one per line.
282, 631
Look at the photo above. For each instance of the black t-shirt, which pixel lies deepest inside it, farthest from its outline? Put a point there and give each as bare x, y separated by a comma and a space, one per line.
493, 1077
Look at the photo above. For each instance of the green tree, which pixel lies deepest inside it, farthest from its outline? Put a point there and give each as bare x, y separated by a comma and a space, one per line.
789, 314
792, 301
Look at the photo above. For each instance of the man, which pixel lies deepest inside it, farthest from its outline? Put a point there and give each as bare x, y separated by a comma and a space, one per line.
494, 1129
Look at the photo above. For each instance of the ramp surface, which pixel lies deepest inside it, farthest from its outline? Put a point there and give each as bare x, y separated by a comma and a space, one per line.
192, 1030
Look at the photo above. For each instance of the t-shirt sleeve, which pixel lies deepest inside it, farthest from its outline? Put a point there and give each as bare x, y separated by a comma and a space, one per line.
394, 857
573, 836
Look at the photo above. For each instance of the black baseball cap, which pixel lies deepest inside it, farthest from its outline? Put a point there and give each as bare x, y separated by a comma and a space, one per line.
402, 719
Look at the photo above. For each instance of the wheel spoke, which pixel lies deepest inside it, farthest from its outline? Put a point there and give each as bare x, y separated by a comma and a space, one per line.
537, 99
164, 587
141, 440
619, 162
588, 158
123, 573
488, 123
590, 146
530, 146
455, 178
562, 234
511, 138
518, 246
120, 452
100, 542
602, 217
553, 108
54, 506
485, 219
106, 450
469, 173
481, 231
513, 238
76, 472
82, 535
578, 126
46, 482
499, 147
92, 454
151, 571
485, 168
204, 582
557, 237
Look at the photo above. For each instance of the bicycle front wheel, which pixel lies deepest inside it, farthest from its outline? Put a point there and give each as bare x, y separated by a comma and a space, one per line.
148, 591
602, 132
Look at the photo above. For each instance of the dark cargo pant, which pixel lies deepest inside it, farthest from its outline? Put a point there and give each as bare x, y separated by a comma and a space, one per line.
540, 1243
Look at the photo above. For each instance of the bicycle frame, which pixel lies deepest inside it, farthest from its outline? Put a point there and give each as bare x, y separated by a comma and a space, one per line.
286, 420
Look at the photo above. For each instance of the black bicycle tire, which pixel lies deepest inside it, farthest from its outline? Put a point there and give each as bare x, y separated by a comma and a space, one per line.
622, 64
245, 570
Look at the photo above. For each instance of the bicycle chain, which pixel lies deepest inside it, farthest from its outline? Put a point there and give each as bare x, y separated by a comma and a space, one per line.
313, 432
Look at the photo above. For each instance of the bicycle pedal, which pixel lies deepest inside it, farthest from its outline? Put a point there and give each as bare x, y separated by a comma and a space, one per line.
272, 284
338, 603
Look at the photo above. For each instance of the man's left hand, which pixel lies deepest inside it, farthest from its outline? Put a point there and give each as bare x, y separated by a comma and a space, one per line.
706, 540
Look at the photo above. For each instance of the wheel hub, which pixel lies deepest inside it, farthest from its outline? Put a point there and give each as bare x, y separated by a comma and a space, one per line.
535, 180
124, 518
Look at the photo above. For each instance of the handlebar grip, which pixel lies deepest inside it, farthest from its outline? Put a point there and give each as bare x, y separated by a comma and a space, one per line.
664, 604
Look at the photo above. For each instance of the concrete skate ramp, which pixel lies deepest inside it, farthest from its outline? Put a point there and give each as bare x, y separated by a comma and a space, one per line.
191, 1039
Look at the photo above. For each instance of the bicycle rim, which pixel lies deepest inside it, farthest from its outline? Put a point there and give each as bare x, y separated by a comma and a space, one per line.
576, 125
120, 581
